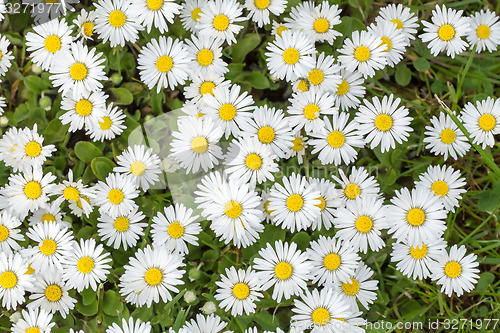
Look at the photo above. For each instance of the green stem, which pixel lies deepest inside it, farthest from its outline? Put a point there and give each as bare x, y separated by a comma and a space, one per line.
462, 78
99, 311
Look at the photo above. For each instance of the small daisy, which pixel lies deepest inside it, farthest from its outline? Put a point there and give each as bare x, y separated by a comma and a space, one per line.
176, 227
330, 200
445, 183
13, 281
219, 19
109, 125
74, 191
196, 145
363, 52
278, 28
7, 144
130, 327
308, 108
358, 184
205, 56
337, 143
384, 122
238, 290
85, 111
485, 31
285, 268
360, 287
295, 204
78, 71
35, 321
333, 261
124, 230
5, 56
298, 148
29, 150
202, 85
117, 22
482, 121
190, 14
290, 55
163, 63
46, 41
446, 31
116, 195
416, 216
153, 273
325, 74
415, 261
350, 91
9, 233
318, 23
455, 272
49, 213
445, 138
85, 23
360, 222
395, 40
157, 13
142, 164
202, 324
401, 16
87, 266
259, 10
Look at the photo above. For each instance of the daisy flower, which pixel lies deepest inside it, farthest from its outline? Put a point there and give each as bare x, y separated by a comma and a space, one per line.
259, 10
117, 22
295, 13
401, 16
201, 85
13, 281
482, 121
54, 244
33, 321
163, 63
5, 56
205, 56
87, 266
333, 261
278, 28
455, 272
394, 39
318, 22
176, 227
298, 148
285, 268
85, 23
209, 184
250, 161
219, 19
325, 74
197, 146
360, 287
49, 293
363, 52
141, 163
384, 122
116, 195
85, 111
109, 125
445, 183
416, 216
49, 213
307, 109
348, 93
190, 14
445, 138
9, 233
202, 324
46, 41
238, 290
485, 31
228, 108
415, 261
124, 230
29, 150
360, 222
78, 70
74, 191
130, 327
446, 31
155, 13
295, 204
330, 199
337, 143
290, 55
153, 273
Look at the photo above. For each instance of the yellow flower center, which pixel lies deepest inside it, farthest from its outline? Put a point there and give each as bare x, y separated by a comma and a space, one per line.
362, 53
33, 149
351, 288
453, 269
164, 64
195, 14
266, 134
418, 253
115, 196
281, 29
383, 122
253, 161
227, 112
33, 190
448, 136
33, 330
266, 207
321, 25
53, 293
232, 209
322, 203
106, 123
48, 247
440, 188
336, 139
303, 86
4, 233
8, 280
205, 57
415, 216
291, 56
48, 218
321, 316
351, 191
175, 230
137, 168
487, 122
30, 270
387, 42
78, 71
154, 4
85, 265
83, 107
88, 29
446, 32
121, 224
52, 43
153, 276
364, 224
483, 31
199, 145
332, 261
298, 144
117, 18
207, 88
283, 270
294, 202
315, 77
221, 22
71, 193
241, 290
311, 111
343, 88
398, 23
262, 4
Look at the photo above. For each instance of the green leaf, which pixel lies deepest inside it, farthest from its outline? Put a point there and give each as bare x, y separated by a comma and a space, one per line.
266, 320
112, 304
421, 64
403, 75
35, 84
86, 151
101, 167
302, 239
55, 131
88, 295
256, 80
484, 282
133, 87
122, 96
87, 310
244, 46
